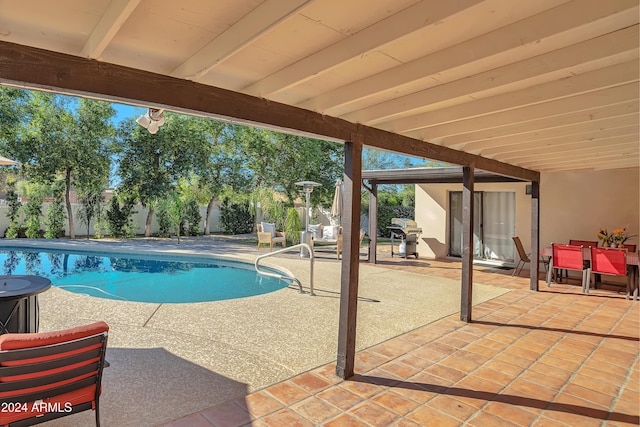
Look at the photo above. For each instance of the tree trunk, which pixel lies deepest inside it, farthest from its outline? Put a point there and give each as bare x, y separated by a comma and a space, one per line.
207, 218
67, 188
147, 227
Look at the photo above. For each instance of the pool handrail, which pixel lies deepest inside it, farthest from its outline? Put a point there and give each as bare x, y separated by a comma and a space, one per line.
284, 277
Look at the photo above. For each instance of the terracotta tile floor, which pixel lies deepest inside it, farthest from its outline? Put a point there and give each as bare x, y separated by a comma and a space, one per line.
549, 358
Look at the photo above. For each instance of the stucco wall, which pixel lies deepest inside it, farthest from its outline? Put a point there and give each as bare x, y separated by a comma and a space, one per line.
432, 201
573, 205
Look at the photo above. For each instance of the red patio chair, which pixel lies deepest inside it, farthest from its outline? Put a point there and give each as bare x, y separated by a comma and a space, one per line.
630, 248
610, 261
568, 257
49, 375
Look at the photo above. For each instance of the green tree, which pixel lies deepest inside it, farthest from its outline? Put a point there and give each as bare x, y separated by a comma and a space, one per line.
13, 209
66, 137
91, 201
54, 221
151, 166
173, 205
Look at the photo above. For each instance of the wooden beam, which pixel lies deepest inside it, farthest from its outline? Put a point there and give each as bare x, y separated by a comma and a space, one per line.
563, 132
398, 25
466, 297
112, 19
40, 69
350, 259
535, 234
551, 27
250, 27
373, 223
601, 52
561, 124
559, 97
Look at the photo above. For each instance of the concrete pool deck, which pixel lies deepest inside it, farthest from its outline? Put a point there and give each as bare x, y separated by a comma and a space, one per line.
170, 360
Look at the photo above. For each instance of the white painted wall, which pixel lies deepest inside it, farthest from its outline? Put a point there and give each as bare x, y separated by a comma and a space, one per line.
573, 205
139, 219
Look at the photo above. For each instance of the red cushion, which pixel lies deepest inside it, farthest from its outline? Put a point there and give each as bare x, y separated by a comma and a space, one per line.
23, 341
19, 341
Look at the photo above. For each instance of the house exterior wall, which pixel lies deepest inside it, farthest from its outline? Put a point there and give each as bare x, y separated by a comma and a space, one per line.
573, 205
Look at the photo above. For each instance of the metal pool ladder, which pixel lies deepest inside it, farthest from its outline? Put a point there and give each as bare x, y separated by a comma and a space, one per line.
281, 276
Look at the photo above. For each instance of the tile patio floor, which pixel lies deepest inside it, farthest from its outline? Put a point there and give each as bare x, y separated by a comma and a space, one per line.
551, 358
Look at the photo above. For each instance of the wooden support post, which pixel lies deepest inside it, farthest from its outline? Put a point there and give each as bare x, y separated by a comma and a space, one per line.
535, 234
373, 223
467, 243
350, 259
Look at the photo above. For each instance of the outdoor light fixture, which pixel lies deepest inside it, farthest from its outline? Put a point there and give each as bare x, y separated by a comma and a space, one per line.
151, 120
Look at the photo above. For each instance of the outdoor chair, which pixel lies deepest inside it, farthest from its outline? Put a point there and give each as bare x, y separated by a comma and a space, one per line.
610, 261
267, 235
583, 243
524, 257
568, 257
49, 375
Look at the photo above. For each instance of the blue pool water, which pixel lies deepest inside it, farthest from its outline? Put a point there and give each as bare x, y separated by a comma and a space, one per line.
157, 279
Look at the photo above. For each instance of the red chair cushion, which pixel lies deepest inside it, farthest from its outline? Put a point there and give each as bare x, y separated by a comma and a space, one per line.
62, 402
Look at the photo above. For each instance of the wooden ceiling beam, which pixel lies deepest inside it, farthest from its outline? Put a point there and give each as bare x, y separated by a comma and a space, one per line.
583, 147
615, 95
249, 28
112, 19
587, 159
563, 124
531, 146
403, 23
567, 22
592, 81
40, 69
601, 52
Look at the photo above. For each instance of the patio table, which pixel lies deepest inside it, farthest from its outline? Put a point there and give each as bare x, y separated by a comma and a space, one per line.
19, 312
632, 265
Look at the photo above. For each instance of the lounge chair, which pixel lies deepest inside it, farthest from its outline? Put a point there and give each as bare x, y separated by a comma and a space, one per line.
267, 235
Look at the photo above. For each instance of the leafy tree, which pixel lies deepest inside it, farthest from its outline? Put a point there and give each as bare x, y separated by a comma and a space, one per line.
91, 201
192, 217
13, 202
174, 208
151, 166
221, 164
54, 221
68, 138
33, 209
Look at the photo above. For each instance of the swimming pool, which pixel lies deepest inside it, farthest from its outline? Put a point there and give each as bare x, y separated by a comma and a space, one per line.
128, 277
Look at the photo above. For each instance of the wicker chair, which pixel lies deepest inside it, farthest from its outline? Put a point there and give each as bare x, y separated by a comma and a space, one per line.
269, 237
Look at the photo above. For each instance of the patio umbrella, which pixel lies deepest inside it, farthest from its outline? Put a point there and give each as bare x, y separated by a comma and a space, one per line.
336, 207
8, 162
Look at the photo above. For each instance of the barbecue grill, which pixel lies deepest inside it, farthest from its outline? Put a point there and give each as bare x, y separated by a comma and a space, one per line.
407, 231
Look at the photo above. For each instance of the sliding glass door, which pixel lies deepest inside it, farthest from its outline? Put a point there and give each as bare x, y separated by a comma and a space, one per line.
493, 224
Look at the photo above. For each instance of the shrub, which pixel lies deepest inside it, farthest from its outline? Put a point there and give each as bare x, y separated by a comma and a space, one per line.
54, 221
119, 218
192, 217
33, 211
236, 218
293, 226
386, 213
13, 203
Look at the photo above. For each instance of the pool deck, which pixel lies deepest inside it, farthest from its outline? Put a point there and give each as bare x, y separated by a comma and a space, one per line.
546, 358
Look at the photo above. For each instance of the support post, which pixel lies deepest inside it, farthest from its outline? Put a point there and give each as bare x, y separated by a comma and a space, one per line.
535, 234
467, 243
373, 223
350, 259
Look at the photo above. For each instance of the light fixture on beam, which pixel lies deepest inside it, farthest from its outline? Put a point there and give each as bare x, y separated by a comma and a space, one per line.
151, 120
